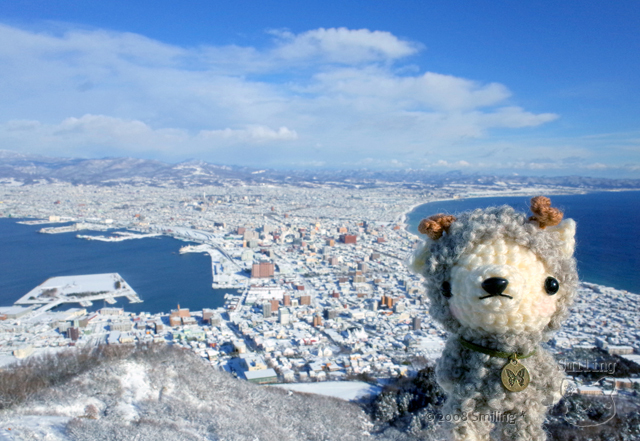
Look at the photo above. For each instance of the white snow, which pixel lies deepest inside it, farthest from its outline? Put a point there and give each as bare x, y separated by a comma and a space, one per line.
345, 390
69, 285
135, 387
34, 427
135, 382
65, 289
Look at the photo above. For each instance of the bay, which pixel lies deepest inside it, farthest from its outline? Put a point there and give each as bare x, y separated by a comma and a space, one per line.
607, 235
153, 267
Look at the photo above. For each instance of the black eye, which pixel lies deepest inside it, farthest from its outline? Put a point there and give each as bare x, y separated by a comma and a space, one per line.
446, 289
551, 286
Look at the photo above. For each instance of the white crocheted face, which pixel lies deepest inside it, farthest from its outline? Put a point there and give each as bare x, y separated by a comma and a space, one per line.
501, 287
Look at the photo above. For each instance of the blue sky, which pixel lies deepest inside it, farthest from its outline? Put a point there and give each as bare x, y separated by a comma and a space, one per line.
492, 87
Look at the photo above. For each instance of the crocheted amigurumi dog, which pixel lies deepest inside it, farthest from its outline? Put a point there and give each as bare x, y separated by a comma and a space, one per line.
500, 283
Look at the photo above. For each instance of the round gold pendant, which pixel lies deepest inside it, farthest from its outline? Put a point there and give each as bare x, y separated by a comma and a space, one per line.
515, 377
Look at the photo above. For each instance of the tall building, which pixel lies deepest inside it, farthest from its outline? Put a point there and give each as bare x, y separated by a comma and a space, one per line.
305, 300
387, 301
158, 326
348, 238
216, 320
73, 333
286, 300
330, 314
417, 323
274, 305
266, 310
359, 279
262, 270
181, 312
250, 235
207, 315
284, 316
317, 320
177, 315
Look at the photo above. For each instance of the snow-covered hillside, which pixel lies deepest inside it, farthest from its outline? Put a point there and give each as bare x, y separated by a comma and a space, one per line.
169, 394
162, 392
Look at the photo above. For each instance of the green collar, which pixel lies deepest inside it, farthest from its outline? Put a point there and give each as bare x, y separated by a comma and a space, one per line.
492, 353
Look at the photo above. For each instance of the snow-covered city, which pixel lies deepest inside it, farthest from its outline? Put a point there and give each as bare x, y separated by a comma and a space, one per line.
317, 281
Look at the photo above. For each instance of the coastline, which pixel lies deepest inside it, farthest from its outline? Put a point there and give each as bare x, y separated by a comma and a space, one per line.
508, 194
560, 192
403, 218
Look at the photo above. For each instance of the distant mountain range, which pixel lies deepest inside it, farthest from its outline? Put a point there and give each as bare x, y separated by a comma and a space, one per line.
30, 169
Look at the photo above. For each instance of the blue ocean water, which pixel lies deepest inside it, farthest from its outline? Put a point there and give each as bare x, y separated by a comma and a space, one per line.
153, 267
607, 236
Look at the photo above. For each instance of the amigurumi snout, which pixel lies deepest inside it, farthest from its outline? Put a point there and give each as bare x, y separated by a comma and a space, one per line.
500, 283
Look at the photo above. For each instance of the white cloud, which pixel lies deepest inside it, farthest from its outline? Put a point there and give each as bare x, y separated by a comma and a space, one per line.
430, 90
540, 166
596, 166
331, 96
21, 125
100, 134
91, 135
514, 117
342, 45
254, 133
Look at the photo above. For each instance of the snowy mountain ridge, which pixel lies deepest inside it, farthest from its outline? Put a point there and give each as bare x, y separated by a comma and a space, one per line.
166, 393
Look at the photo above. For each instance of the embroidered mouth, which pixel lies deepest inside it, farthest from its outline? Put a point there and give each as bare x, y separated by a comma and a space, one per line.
495, 295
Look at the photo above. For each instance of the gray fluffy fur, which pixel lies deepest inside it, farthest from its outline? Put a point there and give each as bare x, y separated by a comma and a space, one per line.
472, 379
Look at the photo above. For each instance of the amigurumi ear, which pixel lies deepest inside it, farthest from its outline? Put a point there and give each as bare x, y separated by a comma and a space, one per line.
567, 230
419, 258
435, 225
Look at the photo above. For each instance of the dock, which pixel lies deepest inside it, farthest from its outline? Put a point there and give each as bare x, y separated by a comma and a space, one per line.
75, 227
82, 289
45, 221
119, 236
223, 269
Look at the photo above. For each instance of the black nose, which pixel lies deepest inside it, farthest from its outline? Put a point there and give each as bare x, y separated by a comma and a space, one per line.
495, 286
